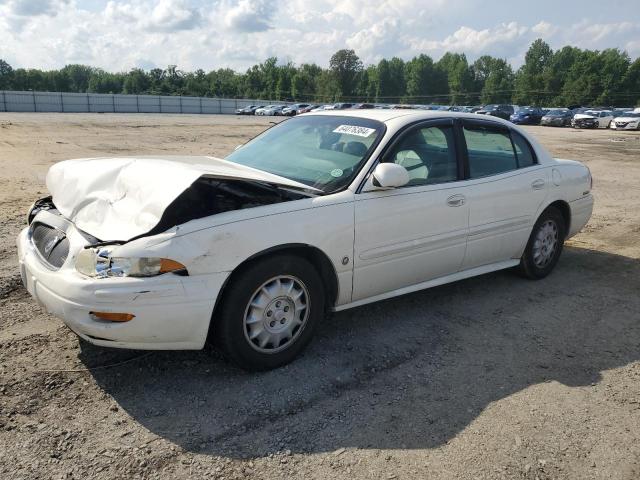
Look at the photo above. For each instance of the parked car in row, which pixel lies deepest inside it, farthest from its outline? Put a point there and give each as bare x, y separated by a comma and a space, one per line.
592, 119
527, 116
309, 108
627, 121
500, 111
249, 110
270, 110
324, 212
558, 117
295, 109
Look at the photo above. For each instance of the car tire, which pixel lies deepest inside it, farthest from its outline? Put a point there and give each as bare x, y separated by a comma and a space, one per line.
544, 246
278, 300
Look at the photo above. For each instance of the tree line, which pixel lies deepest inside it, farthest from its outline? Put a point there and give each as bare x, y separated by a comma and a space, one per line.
568, 76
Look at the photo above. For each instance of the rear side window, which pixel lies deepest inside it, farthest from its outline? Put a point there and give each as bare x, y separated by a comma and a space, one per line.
525, 154
490, 151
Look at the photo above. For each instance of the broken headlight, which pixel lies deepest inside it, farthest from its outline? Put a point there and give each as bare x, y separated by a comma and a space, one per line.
99, 263
41, 204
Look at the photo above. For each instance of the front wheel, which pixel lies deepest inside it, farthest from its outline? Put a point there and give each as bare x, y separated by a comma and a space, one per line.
544, 246
269, 312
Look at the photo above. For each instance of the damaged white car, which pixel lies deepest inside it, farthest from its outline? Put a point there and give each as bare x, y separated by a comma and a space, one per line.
320, 213
592, 119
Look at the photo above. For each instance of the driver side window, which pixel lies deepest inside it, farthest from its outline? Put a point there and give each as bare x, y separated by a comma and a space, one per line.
428, 154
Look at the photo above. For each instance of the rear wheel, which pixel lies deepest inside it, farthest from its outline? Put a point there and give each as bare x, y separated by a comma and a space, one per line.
544, 246
269, 312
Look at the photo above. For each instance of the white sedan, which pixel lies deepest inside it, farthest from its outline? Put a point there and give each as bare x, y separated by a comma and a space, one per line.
270, 110
593, 119
628, 121
323, 212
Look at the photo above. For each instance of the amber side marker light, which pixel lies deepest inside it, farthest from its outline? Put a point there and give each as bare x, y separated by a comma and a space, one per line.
167, 266
113, 317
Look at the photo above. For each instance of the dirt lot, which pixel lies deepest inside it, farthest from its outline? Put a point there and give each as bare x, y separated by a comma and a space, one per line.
493, 377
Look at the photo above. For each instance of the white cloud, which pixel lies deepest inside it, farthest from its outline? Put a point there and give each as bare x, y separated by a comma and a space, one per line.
163, 16
469, 40
250, 15
173, 15
120, 34
29, 8
544, 29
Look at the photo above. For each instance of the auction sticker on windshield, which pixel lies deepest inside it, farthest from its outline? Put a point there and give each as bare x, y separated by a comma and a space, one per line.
355, 130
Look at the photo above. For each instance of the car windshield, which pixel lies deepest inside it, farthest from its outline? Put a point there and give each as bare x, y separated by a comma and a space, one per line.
491, 107
527, 110
558, 112
321, 151
631, 115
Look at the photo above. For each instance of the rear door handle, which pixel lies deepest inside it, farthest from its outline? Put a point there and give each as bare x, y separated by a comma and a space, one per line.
537, 184
456, 200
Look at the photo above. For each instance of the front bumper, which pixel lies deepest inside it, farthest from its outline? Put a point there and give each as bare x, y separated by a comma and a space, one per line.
585, 123
623, 126
524, 121
172, 312
554, 122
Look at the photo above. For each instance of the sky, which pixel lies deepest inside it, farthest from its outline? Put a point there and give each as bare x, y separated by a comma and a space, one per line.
118, 35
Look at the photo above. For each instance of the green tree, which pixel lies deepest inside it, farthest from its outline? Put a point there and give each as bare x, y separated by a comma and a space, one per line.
105, 82
564, 77
498, 83
77, 77
345, 67
195, 84
632, 84
6, 75
530, 78
583, 84
136, 81
368, 83
283, 85
269, 73
304, 83
615, 65
459, 77
224, 82
424, 80
555, 75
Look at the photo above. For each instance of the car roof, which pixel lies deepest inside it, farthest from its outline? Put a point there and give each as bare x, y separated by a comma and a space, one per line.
385, 115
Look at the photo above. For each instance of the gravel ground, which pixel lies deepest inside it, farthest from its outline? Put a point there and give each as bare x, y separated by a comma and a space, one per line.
492, 377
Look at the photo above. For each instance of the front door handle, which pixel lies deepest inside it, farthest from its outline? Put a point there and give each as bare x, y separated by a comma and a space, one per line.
456, 200
537, 184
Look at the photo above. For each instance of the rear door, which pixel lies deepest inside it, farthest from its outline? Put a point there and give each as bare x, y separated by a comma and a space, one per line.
505, 188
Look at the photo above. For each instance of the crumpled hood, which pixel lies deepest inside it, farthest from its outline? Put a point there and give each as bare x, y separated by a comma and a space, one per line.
122, 198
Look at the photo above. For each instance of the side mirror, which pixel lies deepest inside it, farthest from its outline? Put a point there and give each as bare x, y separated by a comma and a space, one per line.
386, 176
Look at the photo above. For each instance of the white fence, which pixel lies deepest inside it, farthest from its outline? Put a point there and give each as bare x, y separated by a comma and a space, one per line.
113, 103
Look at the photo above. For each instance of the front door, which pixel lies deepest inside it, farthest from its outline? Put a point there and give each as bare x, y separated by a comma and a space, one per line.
418, 232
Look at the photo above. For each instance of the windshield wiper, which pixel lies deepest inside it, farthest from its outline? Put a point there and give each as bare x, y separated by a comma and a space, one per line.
299, 190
